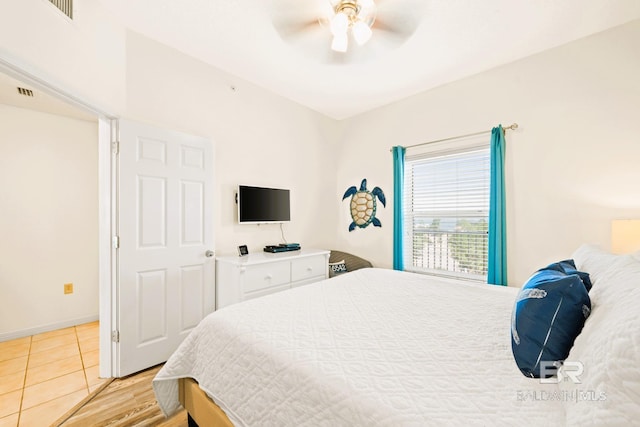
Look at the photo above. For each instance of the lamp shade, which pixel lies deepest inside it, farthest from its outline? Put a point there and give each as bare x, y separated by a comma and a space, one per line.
340, 42
361, 32
625, 236
339, 24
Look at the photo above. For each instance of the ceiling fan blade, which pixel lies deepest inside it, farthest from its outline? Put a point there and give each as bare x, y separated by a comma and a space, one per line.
309, 9
291, 28
399, 16
290, 17
393, 28
405, 5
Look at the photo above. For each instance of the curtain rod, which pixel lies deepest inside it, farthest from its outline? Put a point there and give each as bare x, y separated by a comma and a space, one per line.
510, 127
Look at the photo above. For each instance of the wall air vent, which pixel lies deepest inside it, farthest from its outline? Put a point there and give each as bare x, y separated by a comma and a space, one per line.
66, 6
25, 92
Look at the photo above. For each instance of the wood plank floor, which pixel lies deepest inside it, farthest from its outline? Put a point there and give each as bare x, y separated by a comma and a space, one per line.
125, 401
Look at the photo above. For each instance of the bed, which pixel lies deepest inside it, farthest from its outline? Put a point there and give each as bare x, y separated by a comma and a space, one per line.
388, 348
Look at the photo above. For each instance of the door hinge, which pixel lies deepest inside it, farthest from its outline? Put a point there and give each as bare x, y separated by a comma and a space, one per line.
115, 336
116, 242
115, 147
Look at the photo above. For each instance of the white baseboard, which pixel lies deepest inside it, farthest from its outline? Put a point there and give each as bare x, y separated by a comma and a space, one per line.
7, 336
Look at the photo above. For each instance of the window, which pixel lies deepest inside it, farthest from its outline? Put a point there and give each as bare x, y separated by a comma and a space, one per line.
446, 212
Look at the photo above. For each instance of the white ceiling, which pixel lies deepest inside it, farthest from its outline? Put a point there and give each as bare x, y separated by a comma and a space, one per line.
453, 39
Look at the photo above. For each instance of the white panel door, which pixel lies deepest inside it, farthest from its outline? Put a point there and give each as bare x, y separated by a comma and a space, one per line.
165, 256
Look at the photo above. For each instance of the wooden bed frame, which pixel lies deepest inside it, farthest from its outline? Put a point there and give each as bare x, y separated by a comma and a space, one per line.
200, 407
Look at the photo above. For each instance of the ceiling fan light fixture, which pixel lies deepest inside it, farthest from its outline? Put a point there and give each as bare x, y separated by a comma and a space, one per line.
350, 16
339, 24
361, 32
340, 42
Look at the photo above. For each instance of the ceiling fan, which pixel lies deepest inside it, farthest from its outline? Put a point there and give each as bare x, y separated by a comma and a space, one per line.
355, 16
342, 28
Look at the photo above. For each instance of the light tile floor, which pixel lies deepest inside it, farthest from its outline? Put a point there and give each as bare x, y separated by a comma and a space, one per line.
43, 376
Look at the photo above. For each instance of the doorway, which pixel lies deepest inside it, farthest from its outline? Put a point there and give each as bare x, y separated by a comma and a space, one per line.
49, 225
52, 102
192, 155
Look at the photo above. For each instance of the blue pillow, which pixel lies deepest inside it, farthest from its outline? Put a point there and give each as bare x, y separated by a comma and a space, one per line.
569, 267
548, 315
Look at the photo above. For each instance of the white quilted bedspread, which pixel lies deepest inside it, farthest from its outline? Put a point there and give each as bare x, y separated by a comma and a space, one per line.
372, 347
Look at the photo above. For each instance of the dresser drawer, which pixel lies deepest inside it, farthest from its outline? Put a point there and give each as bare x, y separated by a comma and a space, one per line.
265, 276
306, 268
258, 274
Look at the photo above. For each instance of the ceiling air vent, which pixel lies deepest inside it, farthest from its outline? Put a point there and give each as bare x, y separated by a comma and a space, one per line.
25, 92
66, 6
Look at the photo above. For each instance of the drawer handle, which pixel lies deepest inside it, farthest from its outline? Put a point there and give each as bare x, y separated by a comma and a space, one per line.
309, 268
268, 277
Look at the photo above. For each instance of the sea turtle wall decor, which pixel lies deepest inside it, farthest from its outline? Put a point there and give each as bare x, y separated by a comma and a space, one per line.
363, 205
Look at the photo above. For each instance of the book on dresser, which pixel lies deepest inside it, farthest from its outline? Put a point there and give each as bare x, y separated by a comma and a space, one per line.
263, 273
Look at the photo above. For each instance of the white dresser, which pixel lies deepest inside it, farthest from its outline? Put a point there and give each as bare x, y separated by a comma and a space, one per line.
255, 275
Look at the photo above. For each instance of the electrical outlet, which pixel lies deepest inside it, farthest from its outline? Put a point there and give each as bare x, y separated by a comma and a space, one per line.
68, 288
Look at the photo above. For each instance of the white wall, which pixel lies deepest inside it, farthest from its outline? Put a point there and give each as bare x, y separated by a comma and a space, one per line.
572, 166
48, 220
84, 57
260, 139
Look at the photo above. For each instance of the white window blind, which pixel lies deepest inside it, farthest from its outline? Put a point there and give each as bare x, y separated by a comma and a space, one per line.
446, 212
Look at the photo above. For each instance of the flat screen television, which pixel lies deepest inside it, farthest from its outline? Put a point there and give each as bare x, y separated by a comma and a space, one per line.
258, 205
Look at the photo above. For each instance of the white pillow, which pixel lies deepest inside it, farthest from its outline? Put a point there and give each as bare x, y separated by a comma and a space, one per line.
593, 260
336, 268
608, 348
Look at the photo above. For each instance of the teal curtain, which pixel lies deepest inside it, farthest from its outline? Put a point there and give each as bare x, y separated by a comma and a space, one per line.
497, 264
398, 187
